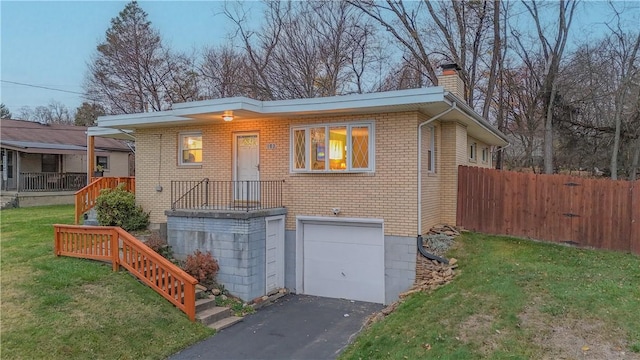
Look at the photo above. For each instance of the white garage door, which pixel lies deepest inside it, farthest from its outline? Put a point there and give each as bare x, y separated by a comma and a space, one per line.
343, 260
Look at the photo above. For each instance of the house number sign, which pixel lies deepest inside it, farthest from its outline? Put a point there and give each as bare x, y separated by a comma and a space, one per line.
271, 146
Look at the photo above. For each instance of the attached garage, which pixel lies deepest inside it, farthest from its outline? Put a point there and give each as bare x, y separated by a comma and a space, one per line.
340, 258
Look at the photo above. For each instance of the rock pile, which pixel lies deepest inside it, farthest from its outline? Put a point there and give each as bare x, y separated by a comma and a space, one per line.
431, 274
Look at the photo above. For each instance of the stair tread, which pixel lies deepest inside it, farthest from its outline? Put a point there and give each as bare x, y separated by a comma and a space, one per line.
204, 301
212, 311
225, 323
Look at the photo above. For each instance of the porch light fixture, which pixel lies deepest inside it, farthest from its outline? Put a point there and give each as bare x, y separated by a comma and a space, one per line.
227, 117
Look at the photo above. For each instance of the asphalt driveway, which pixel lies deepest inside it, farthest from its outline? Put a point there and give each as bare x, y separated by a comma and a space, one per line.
293, 327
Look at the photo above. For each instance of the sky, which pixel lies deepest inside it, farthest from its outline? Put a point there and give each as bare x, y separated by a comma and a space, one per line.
49, 43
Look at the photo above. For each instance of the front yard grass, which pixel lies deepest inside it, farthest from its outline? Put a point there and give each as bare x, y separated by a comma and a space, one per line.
66, 308
517, 299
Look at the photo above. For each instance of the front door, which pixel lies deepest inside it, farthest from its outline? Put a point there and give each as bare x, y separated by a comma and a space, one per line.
247, 167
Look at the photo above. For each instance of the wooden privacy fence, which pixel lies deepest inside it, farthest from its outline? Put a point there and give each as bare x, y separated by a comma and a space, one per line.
600, 213
113, 244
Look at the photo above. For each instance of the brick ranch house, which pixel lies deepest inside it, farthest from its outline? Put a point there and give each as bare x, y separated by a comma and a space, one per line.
323, 196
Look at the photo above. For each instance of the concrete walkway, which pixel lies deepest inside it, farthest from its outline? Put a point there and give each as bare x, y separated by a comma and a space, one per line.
293, 327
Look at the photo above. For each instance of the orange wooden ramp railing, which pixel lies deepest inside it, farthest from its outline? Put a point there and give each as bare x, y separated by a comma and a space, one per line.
110, 243
86, 197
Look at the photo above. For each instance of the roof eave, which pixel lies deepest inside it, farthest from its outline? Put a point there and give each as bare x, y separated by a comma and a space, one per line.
500, 137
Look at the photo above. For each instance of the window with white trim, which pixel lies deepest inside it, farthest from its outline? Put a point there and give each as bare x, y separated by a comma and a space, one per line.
485, 154
332, 148
190, 148
472, 152
431, 149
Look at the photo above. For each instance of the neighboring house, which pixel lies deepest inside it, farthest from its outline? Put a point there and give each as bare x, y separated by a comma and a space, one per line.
323, 196
53, 157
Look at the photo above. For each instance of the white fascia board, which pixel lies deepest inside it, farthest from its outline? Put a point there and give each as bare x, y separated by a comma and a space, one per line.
355, 101
132, 121
221, 107
109, 132
223, 103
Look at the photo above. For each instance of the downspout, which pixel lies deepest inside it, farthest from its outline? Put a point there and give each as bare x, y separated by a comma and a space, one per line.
419, 238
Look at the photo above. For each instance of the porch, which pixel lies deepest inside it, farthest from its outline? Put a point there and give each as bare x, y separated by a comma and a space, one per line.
240, 222
50, 181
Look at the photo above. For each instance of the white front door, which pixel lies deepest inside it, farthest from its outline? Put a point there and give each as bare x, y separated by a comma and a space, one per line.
247, 166
274, 253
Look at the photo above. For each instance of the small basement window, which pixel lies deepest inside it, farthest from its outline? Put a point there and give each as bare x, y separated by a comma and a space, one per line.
190, 148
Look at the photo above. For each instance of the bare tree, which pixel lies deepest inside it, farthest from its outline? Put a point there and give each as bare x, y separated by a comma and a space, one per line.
626, 71
54, 113
307, 49
224, 73
552, 53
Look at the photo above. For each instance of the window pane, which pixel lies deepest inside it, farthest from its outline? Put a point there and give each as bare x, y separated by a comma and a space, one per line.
191, 156
49, 163
299, 155
360, 147
318, 151
191, 149
102, 161
337, 148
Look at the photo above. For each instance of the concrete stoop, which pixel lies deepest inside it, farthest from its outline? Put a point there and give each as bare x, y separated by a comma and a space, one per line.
8, 202
215, 317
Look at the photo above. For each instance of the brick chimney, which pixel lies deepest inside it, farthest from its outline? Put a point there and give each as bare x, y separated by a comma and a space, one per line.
451, 81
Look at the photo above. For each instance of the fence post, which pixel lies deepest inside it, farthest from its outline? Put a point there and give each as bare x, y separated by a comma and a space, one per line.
115, 249
206, 192
56, 240
190, 299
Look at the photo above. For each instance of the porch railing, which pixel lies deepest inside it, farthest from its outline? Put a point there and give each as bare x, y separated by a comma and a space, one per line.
113, 244
226, 195
85, 198
51, 181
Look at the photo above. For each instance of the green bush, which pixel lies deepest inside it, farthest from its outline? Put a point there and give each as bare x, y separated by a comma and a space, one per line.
117, 207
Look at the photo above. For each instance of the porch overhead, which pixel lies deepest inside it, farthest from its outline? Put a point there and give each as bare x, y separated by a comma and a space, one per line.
430, 101
30, 147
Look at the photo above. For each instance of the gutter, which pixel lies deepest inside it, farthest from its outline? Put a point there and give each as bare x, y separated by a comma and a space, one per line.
419, 238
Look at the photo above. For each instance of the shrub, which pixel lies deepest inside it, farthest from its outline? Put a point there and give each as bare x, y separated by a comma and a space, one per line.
117, 207
159, 245
202, 266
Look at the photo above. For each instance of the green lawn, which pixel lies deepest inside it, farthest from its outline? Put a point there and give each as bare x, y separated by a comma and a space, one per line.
66, 308
517, 299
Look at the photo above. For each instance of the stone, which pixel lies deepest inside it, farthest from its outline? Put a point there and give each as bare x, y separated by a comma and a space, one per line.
216, 292
223, 297
453, 261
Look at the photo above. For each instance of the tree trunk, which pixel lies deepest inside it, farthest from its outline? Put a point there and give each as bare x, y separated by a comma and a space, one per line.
635, 163
548, 132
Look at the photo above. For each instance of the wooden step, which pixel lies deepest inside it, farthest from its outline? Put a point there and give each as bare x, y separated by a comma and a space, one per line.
210, 316
225, 323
